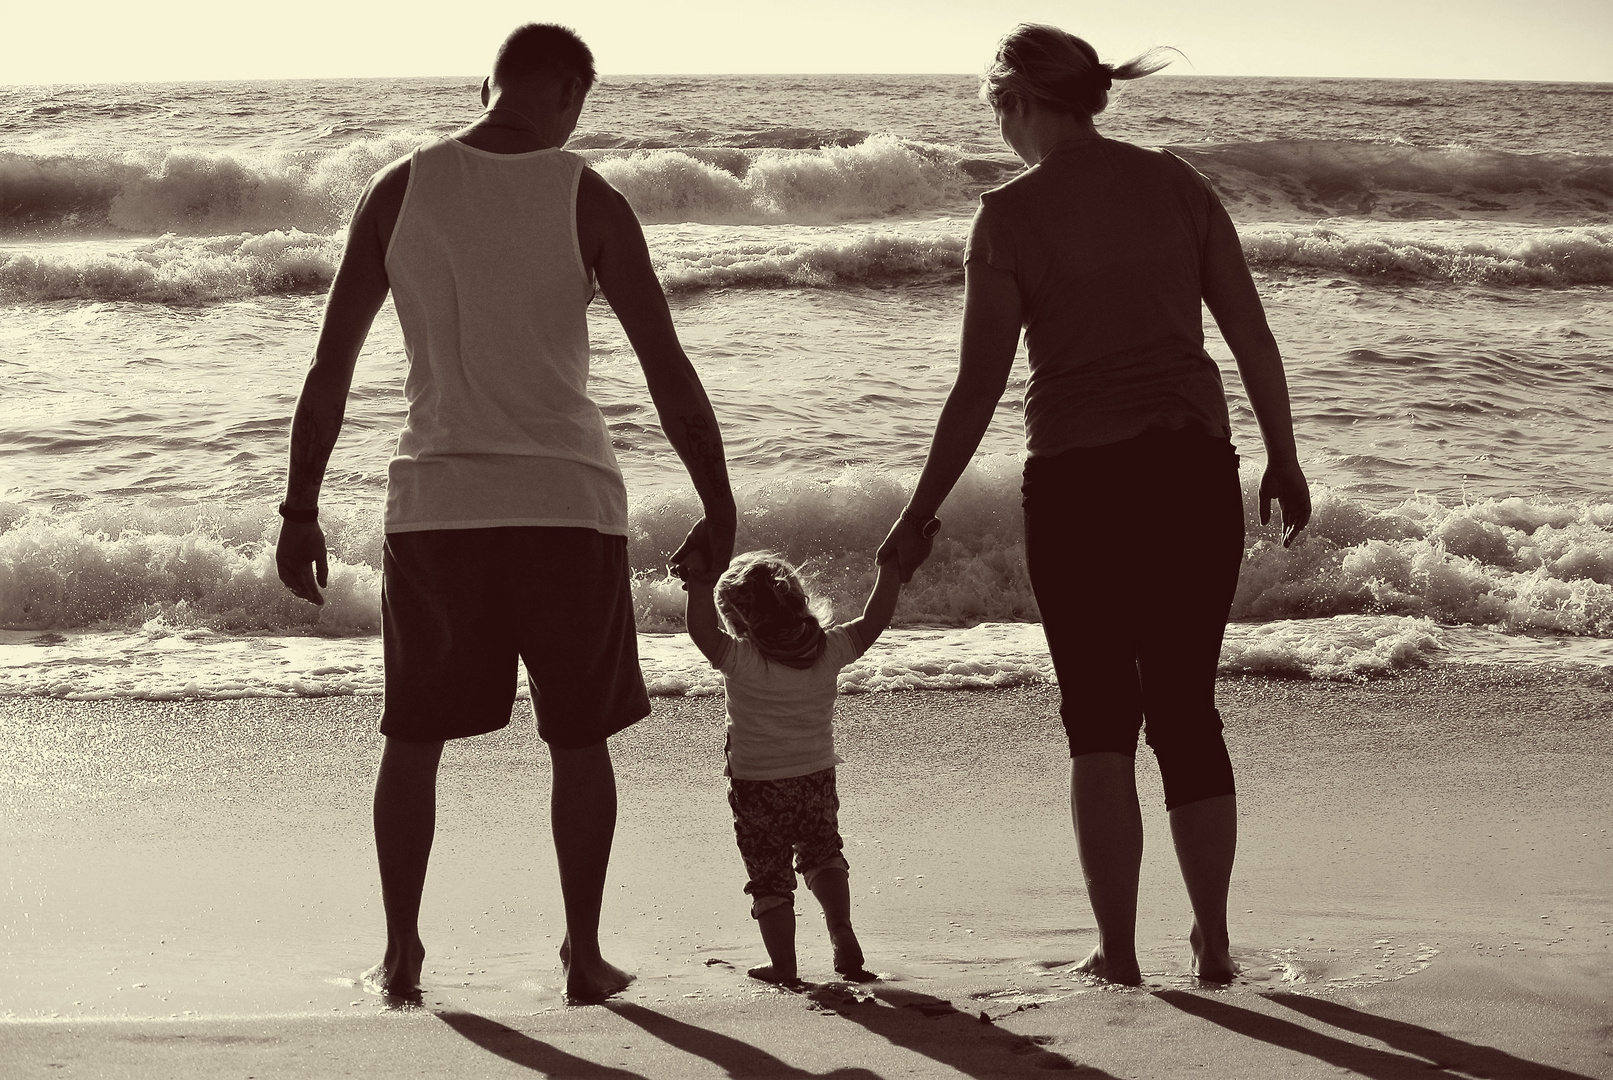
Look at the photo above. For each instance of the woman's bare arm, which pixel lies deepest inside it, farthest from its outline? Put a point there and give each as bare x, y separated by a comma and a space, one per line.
1229, 291
992, 319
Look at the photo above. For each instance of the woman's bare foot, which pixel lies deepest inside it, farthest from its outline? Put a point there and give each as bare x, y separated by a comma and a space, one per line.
398, 973
849, 956
1126, 973
590, 980
1211, 963
768, 974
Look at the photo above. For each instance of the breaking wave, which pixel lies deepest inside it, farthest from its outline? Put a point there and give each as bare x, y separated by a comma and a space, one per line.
189, 269
1518, 565
189, 192
878, 176
173, 269
1309, 178
789, 176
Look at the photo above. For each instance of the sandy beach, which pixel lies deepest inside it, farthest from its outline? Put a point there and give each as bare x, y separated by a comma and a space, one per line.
1423, 882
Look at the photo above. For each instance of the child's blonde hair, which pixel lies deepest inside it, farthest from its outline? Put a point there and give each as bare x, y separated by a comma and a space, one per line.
760, 596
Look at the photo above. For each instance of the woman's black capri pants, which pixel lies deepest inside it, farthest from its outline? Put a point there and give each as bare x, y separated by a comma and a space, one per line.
1134, 550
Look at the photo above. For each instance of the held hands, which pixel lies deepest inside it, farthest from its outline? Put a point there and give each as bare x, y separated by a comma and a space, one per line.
1285, 482
705, 552
907, 545
302, 544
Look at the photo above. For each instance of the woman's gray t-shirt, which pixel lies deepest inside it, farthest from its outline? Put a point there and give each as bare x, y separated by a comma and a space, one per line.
1107, 241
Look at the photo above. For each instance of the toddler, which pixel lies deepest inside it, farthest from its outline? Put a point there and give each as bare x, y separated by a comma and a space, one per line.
779, 665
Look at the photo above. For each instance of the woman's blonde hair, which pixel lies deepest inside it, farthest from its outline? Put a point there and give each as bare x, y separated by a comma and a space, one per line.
1058, 70
761, 597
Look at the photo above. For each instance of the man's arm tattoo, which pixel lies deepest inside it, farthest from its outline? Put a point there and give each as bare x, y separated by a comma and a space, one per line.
703, 453
313, 438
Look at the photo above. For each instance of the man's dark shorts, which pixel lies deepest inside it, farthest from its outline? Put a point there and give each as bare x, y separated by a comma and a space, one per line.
459, 607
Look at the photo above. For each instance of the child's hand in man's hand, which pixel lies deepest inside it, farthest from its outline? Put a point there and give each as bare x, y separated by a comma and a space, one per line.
691, 565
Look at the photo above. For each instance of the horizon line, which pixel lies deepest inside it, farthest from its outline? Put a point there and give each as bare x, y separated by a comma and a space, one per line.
605, 76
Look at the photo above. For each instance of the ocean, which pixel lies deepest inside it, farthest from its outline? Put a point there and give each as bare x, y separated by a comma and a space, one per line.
1436, 259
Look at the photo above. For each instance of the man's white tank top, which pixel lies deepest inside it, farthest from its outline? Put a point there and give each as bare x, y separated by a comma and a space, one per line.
492, 292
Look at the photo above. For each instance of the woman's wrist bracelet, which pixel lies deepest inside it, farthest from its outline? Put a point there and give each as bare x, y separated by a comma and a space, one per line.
298, 515
927, 527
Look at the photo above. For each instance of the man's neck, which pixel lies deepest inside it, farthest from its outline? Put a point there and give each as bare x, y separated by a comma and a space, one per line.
508, 129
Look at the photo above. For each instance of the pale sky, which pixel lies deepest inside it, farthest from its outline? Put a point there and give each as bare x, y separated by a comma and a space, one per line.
101, 41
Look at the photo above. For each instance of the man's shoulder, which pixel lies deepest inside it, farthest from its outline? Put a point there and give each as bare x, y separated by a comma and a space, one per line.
596, 198
392, 180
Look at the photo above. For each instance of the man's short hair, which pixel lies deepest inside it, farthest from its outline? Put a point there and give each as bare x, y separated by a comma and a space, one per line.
543, 49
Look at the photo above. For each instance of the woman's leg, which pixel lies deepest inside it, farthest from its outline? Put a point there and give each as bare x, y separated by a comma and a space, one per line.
1206, 837
1085, 582
1177, 663
1109, 837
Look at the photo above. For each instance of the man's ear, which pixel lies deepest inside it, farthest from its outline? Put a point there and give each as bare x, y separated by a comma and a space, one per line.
487, 90
571, 92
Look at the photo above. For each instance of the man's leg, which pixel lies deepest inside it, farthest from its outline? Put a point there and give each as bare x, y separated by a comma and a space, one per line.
582, 816
405, 822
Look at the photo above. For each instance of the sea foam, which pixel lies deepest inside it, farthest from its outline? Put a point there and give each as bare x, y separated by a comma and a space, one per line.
1518, 565
173, 269
198, 270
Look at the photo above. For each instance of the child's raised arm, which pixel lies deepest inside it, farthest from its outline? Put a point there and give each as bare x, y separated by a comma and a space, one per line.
881, 605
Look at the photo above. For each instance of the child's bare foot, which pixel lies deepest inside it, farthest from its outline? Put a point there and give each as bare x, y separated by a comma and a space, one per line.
1125, 972
590, 980
1211, 963
398, 973
849, 956
768, 974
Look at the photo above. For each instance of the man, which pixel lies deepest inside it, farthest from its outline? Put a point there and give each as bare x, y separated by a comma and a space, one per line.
506, 517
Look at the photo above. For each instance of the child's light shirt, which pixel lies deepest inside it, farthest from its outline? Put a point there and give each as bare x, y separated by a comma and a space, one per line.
780, 718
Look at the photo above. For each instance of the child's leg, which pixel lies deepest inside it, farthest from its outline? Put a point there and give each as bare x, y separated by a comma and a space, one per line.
766, 851
820, 859
831, 885
777, 924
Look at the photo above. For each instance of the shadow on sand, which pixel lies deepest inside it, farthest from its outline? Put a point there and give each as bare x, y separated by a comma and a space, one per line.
941, 1031
1423, 1049
925, 1025
734, 1056
524, 1050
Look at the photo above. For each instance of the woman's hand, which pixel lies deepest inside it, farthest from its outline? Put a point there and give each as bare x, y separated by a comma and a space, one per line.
1285, 482
907, 546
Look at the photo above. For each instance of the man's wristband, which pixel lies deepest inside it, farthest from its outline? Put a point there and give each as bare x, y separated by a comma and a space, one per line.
301, 517
927, 527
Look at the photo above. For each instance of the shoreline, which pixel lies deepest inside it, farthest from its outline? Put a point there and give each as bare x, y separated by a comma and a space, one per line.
1425, 865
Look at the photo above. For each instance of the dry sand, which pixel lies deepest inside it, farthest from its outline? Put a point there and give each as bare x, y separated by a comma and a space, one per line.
1423, 882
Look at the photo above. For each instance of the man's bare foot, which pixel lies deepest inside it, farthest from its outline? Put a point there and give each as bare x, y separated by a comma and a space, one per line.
767, 974
590, 981
398, 973
1212, 964
849, 956
1126, 973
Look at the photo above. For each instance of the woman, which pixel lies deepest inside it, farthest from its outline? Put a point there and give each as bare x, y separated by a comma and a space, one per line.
1102, 251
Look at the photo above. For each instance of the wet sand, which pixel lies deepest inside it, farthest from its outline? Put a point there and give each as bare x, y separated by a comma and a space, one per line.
1425, 877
